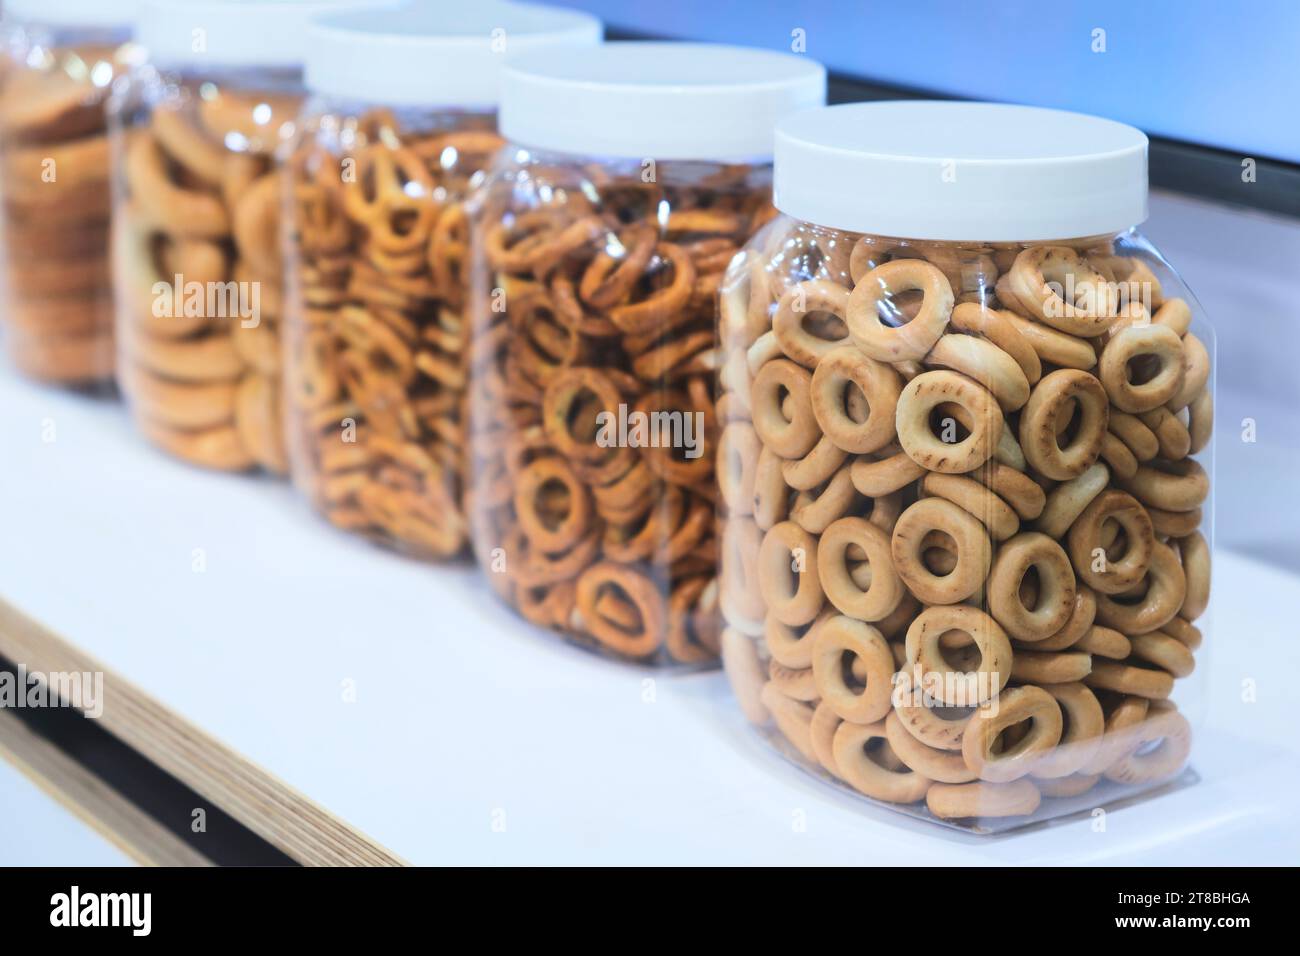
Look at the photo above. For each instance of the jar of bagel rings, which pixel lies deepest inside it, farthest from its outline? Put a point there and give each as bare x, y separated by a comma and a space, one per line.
633, 176
199, 134
401, 126
966, 422
58, 60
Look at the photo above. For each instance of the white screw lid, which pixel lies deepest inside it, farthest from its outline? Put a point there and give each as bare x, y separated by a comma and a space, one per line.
445, 55
982, 172
657, 100
73, 13
226, 33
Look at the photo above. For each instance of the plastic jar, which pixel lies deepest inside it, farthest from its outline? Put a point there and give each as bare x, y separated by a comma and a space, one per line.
58, 59
199, 134
966, 533
633, 175
401, 126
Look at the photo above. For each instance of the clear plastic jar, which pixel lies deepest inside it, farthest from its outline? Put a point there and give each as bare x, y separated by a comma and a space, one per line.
633, 176
58, 60
199, 135
401, 127
966, 534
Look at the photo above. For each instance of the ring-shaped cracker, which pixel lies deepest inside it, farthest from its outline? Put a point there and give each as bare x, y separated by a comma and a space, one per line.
973, 407
974, 551
912, 340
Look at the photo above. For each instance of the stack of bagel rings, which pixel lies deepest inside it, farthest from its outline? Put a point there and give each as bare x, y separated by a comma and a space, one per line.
604, 298
199, 217
375, 339
961, 558
54, 182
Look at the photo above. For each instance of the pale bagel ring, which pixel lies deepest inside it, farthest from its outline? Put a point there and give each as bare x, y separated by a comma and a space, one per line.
912, 340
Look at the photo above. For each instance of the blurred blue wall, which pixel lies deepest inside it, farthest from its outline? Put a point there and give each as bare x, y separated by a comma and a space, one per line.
1222, 73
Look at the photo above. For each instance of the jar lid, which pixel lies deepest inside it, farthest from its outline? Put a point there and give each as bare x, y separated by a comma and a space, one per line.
982, 172
657, 100
73, 13
446, 56
226, 33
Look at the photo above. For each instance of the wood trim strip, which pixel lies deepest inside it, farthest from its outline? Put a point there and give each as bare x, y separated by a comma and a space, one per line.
279, 814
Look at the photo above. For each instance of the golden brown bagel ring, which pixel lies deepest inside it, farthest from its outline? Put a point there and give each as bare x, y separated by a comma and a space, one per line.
1076, 784
1075, 629
1200, 421
1194, 551
973, 407
1115, 575
997, 326
836, 637
604, 586
1056, 587
1014, 487
1067, 500
941, 765
1105, 642
1171, 729
815, 509
799, 302
996, 514
792, 717
1151, 345
789, 437
1052, 397
1132, 680
1082, 737
771, 493
1165, 652
1050, 667
839, 369
793, 596
867, 776
815, 468
885, 590
985, 363
822, 729
1052, 346
1120, 737
1131, 430
884, 476
1196, 373
1013, 706
970, 539
1164, 590
974, 801
912, 340
1039, 276
1170, 486
954, 689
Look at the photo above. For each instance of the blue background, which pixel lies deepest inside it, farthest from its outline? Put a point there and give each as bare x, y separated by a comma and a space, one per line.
1215, 72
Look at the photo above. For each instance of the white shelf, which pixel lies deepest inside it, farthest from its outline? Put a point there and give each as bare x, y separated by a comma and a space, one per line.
464, 712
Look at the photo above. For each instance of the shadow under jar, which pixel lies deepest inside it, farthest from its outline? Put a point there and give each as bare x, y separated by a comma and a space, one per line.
400, 129
965, 540
58, 61
599, 246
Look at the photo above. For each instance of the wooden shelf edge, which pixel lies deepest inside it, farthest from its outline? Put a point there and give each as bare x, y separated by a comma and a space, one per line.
276, 812
84, 795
